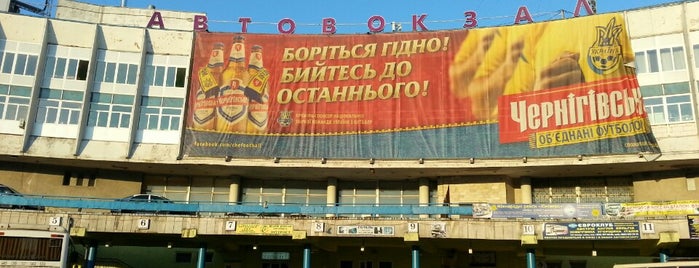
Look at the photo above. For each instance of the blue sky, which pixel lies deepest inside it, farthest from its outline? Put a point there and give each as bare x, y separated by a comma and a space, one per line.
352, 16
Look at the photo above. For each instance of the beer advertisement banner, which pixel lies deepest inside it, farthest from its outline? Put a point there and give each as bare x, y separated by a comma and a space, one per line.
543, 89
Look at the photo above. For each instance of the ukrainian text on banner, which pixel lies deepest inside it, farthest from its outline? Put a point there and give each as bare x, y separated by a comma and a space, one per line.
545, 89
538, 211
592, 231
651, 208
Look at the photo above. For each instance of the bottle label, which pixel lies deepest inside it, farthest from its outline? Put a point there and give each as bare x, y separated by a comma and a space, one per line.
256, 88
207, 80
232, 103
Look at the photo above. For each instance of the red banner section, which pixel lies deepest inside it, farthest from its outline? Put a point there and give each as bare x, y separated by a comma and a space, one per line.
546, 84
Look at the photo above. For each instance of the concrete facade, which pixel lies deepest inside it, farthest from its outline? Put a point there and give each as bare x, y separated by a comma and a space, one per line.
86, 160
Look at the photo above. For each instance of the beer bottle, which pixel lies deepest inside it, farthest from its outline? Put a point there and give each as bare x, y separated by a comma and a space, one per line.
232, 112
258, 93
204, 115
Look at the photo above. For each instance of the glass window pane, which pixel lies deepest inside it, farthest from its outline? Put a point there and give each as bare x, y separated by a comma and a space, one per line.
64, 116
165, 123
48, 69
676, 88
119, 108
102, 119
678, 58
125, 118
159, 75
153, 122
121, 73
72, 95
7, 64
651, 91
40, 114
173, 102
51, 114
678, 99
133, 70
60, 68
4, 89
99, 73
148, 76
687, 113
114, 120
22, 112
31, 65
109, 73
123, 99
673, 113
72, 69
152, 101
20, 64
175, 123
666, 59
653, 61
20, 91
170, 81
74, 117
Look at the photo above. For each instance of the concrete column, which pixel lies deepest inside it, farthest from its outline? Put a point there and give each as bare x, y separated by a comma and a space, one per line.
234, 191
531, 258
416, 257
424, 195
201, 259
331, 193
526, 189
307, 256
91, 256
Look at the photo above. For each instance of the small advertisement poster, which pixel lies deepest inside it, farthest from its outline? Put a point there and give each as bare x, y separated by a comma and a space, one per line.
693, 221
365, 230
592, 231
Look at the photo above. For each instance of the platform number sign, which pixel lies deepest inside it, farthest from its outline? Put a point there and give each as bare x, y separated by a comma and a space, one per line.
230, 225
413, 227
55, 221
647, 228
528, 229
318, 227
144, 224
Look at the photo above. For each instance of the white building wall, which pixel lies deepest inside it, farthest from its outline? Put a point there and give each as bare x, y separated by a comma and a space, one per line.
130, 17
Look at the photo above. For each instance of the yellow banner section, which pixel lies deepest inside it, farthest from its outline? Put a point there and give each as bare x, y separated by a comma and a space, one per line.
588, 133
265, 229
652, 208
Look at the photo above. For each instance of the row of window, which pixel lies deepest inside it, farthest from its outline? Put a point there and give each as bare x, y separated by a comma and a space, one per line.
668, 103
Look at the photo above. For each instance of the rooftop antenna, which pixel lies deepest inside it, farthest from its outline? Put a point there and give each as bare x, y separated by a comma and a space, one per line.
123, 3
593, 5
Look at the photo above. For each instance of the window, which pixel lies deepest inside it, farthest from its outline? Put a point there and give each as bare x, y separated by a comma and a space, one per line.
286, 192
112, 72
186, 189
582, 190
668, 103
162, 76
110, 110
664, 59
160, 113
59, 106
14, 102
63, 68
17, 63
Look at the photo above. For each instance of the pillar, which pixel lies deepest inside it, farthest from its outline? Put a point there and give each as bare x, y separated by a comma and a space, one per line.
424, 195
91, 256
307, 256
331, 193
531, 258
201, 259
416, 257
234, 191
526, 189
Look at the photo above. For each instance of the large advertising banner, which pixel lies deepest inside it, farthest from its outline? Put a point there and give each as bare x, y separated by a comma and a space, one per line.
592, 231
543, 89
